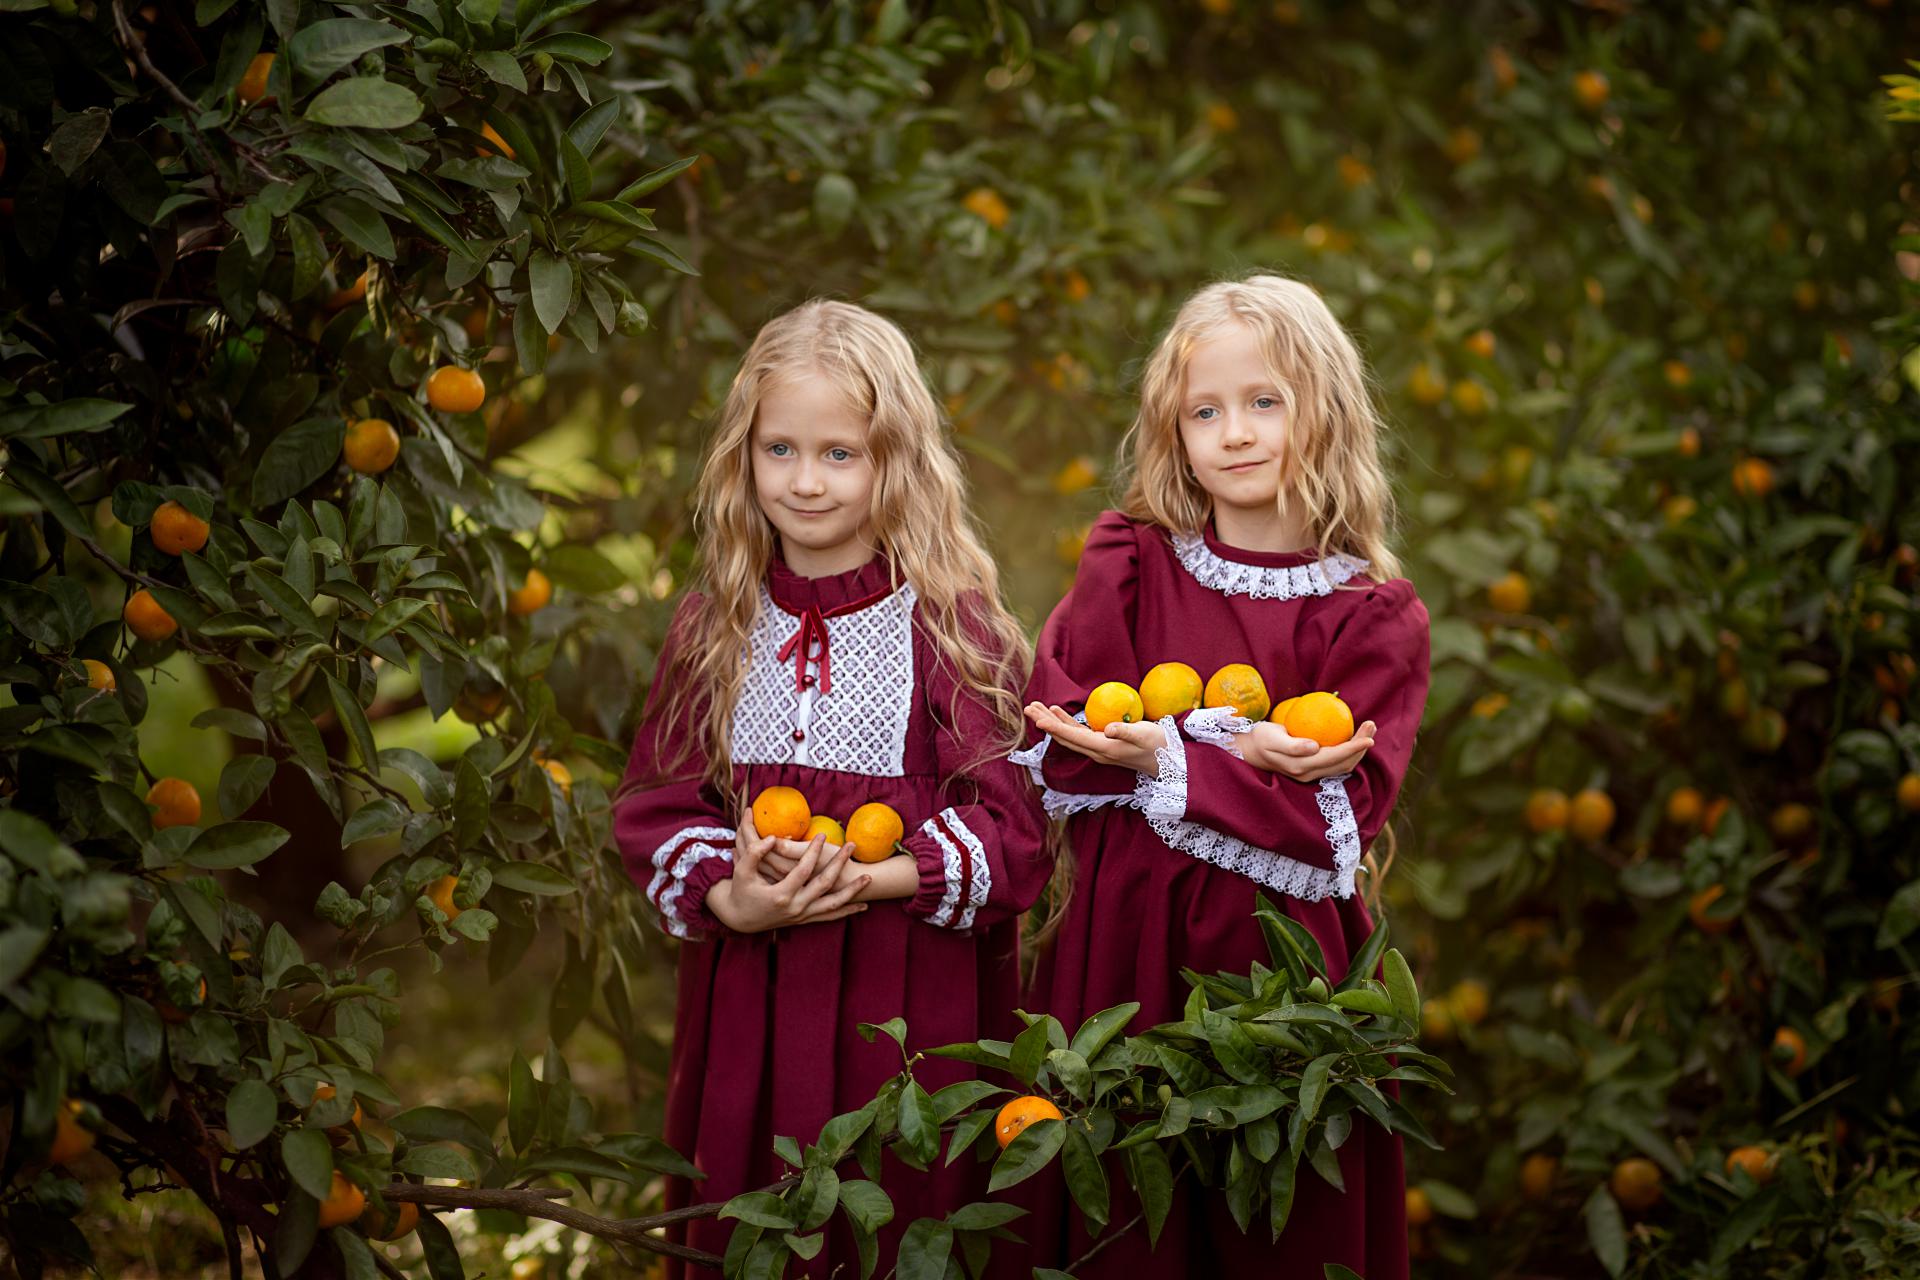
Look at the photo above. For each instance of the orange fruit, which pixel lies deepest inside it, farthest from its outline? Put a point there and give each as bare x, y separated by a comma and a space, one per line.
1790, 822
1079, 474
1322, 717
1481, 343
1469, 397
1716, 810
175, 529
1419, 1207
1753, 477
1170, 688
561, 775
1790, 1050
1469, 1002
1590, 814
499, 143
875, 831
1436, 1021
1546, 810
1537, 1174
985, 203
351, 294
145, 618
253, 84
1697, 910
1114, 702
1077, 287
343, 1204
1427, 384
1489, 705
403, 1216
1500, 62
1754, 1160
451, 389
1907, 792
177, 800
1591, 88
440, 894
372, 445
1679, 376
1020, 1113
1462, 145
1686, 806
476, 705
530, 596
530, 1268
783, 812
1279, 713
70, 1140
822, 825
100, 675
1239, 686
1678, 510
1689, 442
323, 1091
1511, 594
1636, 1183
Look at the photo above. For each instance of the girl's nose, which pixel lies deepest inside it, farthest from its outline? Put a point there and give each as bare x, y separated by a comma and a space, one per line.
1235, 432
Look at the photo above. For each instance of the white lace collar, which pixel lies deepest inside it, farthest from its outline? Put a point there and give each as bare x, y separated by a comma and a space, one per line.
1263, 582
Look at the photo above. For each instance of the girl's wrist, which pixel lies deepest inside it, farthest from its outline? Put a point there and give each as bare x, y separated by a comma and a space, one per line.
895, 877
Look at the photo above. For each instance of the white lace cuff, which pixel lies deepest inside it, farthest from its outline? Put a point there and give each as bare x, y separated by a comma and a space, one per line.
1217, 726
678, 855
1060, 804
1164, 802
1164, 798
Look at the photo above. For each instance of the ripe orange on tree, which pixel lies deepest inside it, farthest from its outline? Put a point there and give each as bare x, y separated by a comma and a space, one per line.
1511, 594
875, 831
561, 775
1320, 716
1636, 1183
351, 294
1790, 1050
146, 618
1689, 442
100, 675
1753, 477
175, 529
451, 389
783, 812
1419, 1207
1114, 702
323, 1091
1590, 814
1591, 88
70, 1139
475, 705
1686, 806
1907, 792
1755, 1160
1018, 1114
1170, 688
499, 143
171, 1012
371, 446
530, 596
440, 894
1546, 810
985, 203
1078, 474
1427, 384
1481, 343
403, 1217
1790, 821
1239, 686
343, 1204
1537, 1174
1697, 910
177, 803
253, 83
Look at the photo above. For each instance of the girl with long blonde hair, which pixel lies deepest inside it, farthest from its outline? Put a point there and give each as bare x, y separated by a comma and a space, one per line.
844, 645
1249, 564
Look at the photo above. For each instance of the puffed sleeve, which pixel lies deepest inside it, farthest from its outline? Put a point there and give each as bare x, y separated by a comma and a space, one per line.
1087, 641
669, 823
1306, 839
983, 854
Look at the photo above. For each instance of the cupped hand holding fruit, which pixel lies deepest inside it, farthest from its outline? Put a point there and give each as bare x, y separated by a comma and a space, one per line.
1129, 743
815, 890
1269, 746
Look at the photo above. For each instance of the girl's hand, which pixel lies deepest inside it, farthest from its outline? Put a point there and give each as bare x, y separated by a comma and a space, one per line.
785, 855
1129, 745
809, 894
1268, 746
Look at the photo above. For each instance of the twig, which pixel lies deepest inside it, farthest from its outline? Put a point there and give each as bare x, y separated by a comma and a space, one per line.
1106, 1240
189, 109
538, 1204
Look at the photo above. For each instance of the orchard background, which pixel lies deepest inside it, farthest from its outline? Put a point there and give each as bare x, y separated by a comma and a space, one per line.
1637, 283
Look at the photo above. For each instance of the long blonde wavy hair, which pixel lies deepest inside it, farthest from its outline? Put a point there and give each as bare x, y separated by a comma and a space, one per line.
920, 516
1332, 475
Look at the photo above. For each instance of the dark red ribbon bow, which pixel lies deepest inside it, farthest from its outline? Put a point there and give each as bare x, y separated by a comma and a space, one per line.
799, 646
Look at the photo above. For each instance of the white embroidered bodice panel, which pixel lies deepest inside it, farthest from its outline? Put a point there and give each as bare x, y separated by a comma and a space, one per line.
1257, 582
859, 727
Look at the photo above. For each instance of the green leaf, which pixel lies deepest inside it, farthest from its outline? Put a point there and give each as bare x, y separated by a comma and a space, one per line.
1281, 1179
64, 417
365, 102
924, 1250
866, 1204
1099, 1030
1153, 1184
1029, 1052
309, 1158
919, 1124
591, 126
438, 1162
1401, 989
570, 46
1606, 1231
1029, 1152
296, 458
243, 782
523, 1103
348, 708
533, 877
649, 183
760, 1209
1086, 1180
361, 224
502, 68
552, 281
439, 1124
252, 1109
834, 200
235, 844
326, 46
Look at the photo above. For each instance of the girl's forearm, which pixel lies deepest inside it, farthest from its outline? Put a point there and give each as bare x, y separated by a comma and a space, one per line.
895, 877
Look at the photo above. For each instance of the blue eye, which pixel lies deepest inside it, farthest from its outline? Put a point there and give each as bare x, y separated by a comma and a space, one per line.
1202, 413
840, 455
777, 450
1266, 402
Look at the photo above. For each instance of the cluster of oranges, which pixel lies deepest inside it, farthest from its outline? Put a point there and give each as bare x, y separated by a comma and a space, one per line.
874, 829
1588, 815
1173, 687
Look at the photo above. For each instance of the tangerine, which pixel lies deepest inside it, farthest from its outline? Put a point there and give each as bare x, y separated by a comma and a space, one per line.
782, 812
1239, 686
874, 830
1170, 688
1018, 1114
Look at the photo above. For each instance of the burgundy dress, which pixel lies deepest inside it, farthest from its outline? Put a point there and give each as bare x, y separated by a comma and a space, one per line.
847, 700
1167, 867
